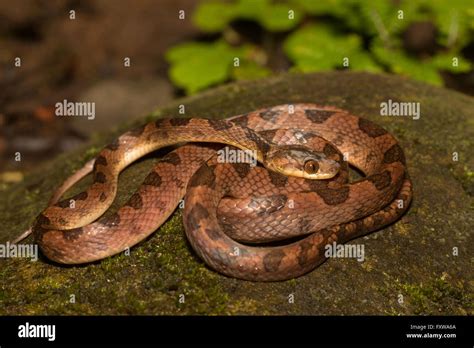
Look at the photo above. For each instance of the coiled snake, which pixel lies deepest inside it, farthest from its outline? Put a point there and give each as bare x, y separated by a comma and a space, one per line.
231, 207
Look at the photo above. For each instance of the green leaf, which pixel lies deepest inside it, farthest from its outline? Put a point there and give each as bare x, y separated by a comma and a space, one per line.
363, 61
379, 17
251, 9
386, 19
400, 63
317, 47
452, 62
277, 17
195, 66
214, 16
453, 19
339, 8
344, 10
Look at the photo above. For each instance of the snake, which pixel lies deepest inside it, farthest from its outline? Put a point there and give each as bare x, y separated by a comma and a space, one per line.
269, 221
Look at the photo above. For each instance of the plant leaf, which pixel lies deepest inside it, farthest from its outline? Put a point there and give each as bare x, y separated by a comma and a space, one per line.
276, 18
452, 19
361, 60
195, 66
445, 61
317, 47
213, 16
400, 63
251, 9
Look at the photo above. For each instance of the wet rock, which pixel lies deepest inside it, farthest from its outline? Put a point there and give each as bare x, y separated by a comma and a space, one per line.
425, 258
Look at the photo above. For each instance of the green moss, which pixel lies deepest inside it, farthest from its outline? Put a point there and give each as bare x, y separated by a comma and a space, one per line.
467, 180
436, 297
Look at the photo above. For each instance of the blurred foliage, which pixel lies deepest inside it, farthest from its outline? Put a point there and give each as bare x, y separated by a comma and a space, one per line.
323, 35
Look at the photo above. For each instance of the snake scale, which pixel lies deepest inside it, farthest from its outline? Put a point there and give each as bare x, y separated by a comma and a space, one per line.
237, 216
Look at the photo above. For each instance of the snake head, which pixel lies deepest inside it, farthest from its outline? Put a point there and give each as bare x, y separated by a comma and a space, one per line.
301, 162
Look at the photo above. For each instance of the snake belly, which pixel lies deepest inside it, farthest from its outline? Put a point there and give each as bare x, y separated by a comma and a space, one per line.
231, 207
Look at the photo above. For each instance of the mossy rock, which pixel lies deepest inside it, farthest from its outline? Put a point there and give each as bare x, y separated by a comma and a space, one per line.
419, 265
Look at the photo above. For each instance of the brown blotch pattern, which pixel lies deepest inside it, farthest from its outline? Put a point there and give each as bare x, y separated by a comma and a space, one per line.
226, 227
394, 154
333, 196
272, 260
135, 201
315, 185
111, 221
303, 255
71, 235
361, 226
179, 121
102, 197
242, 121
100, 177
136, 132
260, 143
270, 115
80, 196
159, 123
370, 128
342, 230
38, 233
219, 125
213, 234
277, 179
100, 160
379, 220
172, 158
192, 223
330, 151
304, 225
268, 134
42, 220
205, 176
113, 146
381, 180
198, 212
153, 179
242, 169
318, 116
63, 204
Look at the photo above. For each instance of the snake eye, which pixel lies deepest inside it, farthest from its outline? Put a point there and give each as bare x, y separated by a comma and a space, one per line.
311, 166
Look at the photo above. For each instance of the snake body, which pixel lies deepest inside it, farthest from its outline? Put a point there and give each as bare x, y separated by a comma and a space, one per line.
231, 207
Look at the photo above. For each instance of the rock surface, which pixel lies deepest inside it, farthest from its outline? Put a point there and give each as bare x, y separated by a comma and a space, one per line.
420, 265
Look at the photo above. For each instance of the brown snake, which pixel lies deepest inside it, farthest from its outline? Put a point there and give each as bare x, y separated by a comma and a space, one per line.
229, 204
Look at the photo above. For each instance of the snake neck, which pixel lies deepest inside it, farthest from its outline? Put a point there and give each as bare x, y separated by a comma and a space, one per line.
211, 131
